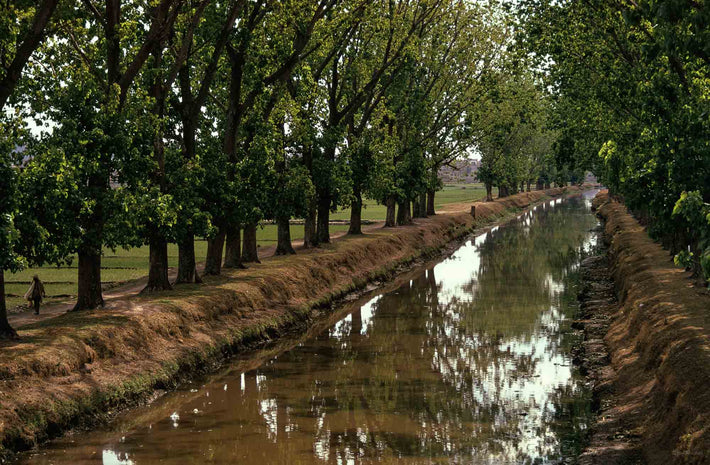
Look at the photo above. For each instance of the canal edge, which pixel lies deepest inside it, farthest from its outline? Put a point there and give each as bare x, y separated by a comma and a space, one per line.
645, 349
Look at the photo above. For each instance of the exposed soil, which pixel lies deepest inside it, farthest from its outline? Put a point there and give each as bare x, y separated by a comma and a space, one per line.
611, 441
646, 354
78, 368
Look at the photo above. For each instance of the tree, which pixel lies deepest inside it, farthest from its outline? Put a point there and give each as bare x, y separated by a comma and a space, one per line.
158, 208
21, 32
355, 80
631, 84
9, 259
97, 58
258, 71
202, 60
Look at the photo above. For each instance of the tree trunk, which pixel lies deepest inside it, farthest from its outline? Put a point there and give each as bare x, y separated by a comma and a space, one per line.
390, 218
547, 185
356, 216
489, 192
529, 183
502, 191
404, 215
89, 295
323, 224
309, 229
284, 246
233, 254
158, 272
422, 205
250, 251
6, 331
430, 210
187, 266
415, 208
215, 249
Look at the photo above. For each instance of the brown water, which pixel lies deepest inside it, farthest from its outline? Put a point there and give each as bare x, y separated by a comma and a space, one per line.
466, 362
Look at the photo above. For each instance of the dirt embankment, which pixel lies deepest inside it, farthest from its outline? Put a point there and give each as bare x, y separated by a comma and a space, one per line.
79, 368
653, 389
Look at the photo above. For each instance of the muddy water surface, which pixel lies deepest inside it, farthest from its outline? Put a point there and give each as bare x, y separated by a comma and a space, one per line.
466, 362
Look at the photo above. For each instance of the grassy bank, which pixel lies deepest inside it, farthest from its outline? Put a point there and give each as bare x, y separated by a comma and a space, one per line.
119, 266
74, 369
659, 342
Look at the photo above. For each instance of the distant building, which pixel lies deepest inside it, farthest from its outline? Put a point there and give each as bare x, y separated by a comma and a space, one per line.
460, 172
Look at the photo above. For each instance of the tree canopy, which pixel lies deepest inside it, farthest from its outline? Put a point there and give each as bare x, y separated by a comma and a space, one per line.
133, 122
630, 83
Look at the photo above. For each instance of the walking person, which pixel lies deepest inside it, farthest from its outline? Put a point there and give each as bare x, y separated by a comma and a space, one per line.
35, 293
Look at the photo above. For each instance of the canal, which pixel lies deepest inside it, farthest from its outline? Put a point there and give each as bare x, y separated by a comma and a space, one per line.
466, 361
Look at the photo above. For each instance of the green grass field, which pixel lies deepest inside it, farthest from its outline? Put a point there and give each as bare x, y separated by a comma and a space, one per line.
124, 265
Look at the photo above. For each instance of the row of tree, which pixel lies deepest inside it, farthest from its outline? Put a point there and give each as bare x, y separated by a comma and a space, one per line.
631, 86
136, 122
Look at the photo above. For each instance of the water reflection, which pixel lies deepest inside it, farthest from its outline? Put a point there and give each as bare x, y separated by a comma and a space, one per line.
465, 363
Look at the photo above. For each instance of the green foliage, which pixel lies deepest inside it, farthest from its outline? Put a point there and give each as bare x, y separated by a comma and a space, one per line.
631, 83
695, 213
9, 235
517, 141
172, 119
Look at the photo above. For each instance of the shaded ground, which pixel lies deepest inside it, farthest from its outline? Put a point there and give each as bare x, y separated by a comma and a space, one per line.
655, 391
612, 441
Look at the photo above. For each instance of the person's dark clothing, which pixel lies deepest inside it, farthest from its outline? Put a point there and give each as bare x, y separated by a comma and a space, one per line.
35, 293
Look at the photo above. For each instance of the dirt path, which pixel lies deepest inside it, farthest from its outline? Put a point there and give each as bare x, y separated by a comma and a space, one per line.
120, 294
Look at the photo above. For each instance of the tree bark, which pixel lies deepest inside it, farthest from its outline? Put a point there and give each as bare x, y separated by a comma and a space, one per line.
415, 208
215, 249
187, 266
158, 272
502, 191
309, 229
323, 225
529, 183
283, 245
404, 215
233, 254
489, 192
422, 205
89, 295
6, 331
390, 217
250, 251
430, 195
356, 215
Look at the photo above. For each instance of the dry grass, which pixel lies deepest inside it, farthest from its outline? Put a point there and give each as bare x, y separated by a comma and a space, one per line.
74, 368
660, 345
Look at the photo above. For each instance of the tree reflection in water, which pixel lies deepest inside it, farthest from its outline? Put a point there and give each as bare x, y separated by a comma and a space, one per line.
466, 363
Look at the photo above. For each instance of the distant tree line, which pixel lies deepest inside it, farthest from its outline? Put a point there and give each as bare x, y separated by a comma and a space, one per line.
153, 122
